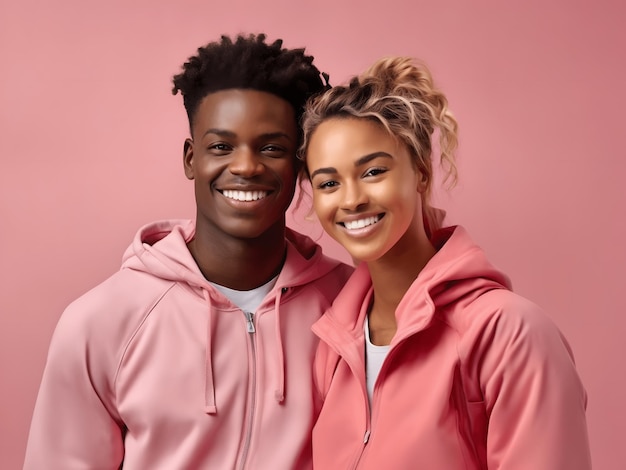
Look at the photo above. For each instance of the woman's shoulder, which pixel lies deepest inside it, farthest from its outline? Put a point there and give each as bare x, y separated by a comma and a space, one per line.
503, 322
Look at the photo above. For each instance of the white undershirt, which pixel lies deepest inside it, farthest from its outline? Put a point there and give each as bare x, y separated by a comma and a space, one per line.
247, 300
374, 358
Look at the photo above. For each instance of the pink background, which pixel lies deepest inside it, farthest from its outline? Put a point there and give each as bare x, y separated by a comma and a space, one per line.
91, 146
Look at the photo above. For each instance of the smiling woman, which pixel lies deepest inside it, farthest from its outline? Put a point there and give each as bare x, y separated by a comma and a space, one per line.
427, 359
367, 201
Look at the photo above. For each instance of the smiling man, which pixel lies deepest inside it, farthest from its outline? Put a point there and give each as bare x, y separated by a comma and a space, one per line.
198, 352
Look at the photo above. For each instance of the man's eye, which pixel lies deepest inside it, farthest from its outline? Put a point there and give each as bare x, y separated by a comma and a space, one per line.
219, 147
273, 149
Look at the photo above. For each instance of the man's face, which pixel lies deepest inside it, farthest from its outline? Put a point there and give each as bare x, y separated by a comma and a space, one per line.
242, 159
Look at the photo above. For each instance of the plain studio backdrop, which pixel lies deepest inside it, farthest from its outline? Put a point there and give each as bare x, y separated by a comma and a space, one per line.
91, 146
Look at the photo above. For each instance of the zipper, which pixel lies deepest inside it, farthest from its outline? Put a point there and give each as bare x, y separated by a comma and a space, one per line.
250, 321
366, 438
370, 410
248, 438
367, 433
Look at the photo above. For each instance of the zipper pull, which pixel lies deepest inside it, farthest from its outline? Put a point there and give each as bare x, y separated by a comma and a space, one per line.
366, 437
250, 321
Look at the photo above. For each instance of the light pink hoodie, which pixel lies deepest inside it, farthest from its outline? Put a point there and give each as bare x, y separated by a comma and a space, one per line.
477, 377
155, 369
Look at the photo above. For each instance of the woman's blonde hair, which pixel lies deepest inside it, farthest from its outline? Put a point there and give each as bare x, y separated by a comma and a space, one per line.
399, 94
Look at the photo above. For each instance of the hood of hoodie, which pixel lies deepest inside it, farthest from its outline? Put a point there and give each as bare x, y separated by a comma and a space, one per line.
160, 248
458, 273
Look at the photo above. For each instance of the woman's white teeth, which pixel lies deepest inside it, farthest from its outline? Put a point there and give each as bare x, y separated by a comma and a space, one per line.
244, 195
354, 224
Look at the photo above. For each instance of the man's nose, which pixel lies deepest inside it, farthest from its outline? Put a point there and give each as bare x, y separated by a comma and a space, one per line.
245, 162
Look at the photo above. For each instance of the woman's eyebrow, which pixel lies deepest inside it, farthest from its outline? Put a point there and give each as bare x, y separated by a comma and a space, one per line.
371, 156
329, 170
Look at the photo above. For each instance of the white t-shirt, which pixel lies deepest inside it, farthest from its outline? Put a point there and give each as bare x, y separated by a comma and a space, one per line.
374, 358
247, 300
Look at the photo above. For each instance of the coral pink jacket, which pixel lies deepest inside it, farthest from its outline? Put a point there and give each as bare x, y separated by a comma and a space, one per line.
477, 377
156, 369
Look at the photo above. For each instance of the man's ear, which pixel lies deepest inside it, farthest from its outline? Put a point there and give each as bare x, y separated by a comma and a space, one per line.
188, 158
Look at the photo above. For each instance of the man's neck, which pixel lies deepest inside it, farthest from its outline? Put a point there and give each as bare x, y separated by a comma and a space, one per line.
240, 264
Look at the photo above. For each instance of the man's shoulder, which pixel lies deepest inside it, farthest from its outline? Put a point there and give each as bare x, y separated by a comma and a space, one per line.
331, 283
120, 301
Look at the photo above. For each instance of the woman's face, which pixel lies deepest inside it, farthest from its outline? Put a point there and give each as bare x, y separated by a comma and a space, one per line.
366, 191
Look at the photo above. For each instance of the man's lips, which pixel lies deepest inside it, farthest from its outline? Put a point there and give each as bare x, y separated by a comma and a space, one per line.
245, 196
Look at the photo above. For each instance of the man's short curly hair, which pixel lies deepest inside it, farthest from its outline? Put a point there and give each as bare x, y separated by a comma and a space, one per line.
249, 63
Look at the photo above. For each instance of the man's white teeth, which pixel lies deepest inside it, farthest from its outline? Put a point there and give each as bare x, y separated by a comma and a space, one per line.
361, 223
244, 195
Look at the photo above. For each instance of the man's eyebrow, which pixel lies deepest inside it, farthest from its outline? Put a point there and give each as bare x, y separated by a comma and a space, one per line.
361, 161
276, 135
221, 132
232, 135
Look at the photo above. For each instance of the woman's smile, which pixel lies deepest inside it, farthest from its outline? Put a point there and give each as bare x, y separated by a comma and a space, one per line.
366, 191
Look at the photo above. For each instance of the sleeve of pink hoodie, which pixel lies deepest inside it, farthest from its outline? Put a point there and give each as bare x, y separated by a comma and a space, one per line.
74, 426
534, 400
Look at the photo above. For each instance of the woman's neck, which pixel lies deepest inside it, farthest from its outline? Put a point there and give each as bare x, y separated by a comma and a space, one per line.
392, 275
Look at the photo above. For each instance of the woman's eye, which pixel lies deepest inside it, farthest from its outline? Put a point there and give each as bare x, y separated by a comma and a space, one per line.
375, 171
327, 184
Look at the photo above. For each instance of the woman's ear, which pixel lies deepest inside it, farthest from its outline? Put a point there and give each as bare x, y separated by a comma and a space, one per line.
422, 182
188, 158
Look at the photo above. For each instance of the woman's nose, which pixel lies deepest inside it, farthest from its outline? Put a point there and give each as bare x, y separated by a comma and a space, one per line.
353, 197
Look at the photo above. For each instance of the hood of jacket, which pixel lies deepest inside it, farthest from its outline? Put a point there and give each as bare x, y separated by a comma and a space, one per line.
458, 273
160, 249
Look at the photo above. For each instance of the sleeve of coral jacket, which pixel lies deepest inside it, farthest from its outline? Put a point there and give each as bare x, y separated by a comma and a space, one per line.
73, 425
534, 398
